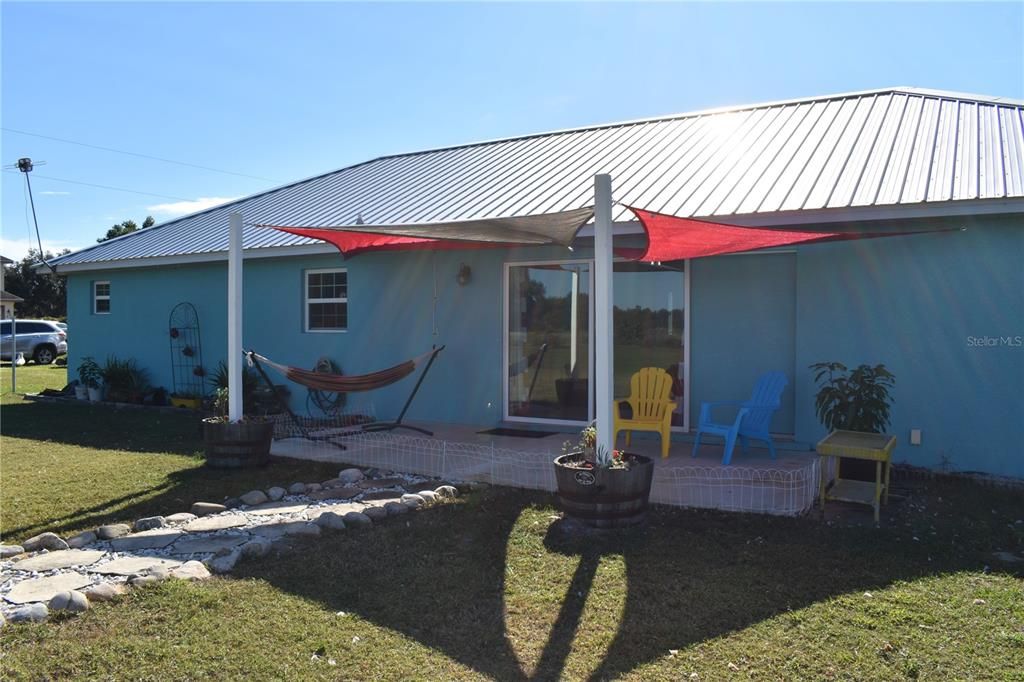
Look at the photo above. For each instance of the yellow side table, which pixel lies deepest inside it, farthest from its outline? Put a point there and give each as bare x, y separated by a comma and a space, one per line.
857, 445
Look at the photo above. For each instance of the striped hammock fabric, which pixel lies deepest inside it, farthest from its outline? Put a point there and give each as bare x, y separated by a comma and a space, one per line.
340, 383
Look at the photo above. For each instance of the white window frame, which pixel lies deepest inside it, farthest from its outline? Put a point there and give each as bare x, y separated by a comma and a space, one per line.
97, 297
307, 300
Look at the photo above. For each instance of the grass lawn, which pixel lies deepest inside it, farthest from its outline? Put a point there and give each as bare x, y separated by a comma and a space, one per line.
495, 586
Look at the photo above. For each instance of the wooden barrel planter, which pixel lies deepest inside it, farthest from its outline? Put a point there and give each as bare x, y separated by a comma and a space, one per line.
237, 446
601, 497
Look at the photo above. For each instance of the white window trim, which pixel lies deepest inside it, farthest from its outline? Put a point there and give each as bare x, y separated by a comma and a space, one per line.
96, 297
306, 300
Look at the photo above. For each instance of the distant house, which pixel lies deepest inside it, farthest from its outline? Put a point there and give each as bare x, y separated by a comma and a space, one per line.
7, 299
944, 312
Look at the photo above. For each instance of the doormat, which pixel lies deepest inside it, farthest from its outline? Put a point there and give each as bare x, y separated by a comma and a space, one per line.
517, 433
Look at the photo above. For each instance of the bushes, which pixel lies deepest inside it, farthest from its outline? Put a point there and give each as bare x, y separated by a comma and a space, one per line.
125, 381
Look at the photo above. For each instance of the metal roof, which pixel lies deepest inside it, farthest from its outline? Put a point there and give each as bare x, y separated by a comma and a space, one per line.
884, 148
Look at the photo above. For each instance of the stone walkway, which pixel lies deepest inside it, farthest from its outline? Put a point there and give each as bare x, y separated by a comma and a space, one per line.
48, 573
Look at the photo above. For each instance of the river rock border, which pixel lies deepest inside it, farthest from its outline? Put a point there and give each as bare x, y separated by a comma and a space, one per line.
50, 574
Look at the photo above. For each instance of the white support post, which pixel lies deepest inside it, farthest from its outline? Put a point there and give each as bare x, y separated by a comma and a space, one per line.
574, 321
235, 318
14, 350
604, 366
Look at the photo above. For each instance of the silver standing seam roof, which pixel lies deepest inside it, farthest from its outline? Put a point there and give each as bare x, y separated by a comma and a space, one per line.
883, 148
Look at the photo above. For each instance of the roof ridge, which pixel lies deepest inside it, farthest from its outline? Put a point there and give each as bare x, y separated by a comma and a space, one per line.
905, 89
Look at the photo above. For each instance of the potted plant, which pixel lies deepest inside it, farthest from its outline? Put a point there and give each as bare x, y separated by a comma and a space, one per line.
250, 384
233, 445
602, 489
90, 374
853, 400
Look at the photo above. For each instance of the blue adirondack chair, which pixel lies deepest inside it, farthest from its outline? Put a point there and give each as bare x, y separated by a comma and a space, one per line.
753, 417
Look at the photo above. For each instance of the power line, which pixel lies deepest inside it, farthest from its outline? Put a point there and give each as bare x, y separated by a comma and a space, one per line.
136, 154
116, 189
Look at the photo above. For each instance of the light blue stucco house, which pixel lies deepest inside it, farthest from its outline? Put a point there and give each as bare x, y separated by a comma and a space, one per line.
944, 312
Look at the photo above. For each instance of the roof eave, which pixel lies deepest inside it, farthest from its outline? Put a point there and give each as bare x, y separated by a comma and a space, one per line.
851, 214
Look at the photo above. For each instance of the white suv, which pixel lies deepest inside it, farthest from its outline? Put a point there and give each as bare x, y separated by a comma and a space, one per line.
39, 340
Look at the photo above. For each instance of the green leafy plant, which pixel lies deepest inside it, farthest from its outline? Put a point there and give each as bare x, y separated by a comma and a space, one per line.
220, 405
592, 453
853, 400
124, 379
89, 372
250, 384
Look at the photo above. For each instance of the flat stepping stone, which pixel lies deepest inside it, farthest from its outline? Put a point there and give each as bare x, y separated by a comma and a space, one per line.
340, 509
211, 543
277, 530
390, 482
422, 485
65, 558
148, 539
282, 507
334, 493
383, 495
208, 523
45, 589
132, 565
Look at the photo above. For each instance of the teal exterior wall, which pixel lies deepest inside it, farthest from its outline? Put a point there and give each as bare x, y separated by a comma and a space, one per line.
945, 313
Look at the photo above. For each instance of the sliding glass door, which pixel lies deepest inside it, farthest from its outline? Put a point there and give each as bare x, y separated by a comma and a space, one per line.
548, 341
649, 326
548, 336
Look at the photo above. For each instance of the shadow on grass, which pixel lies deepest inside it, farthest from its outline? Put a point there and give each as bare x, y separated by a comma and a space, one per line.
136, 432
179, 490
103, 426
689, 577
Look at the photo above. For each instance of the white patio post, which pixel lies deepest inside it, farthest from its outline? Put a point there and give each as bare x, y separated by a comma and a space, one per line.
235, 318
603, 342
574, 319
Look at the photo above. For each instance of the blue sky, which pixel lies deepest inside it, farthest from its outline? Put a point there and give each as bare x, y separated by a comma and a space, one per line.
283, 91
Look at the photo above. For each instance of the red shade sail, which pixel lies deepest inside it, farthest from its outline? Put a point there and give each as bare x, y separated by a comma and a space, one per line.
673, 238
668, 237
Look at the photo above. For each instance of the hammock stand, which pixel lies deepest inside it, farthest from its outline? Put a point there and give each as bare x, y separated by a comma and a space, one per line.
348, 384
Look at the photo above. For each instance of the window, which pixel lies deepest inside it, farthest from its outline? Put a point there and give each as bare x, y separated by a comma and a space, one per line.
326, 300
101, 298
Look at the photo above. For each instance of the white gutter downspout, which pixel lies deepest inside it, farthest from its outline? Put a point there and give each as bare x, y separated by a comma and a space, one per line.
235, 318
604, 342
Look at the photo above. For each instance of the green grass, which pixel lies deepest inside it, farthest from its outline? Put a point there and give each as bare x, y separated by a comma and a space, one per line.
67, 468
33, 378
495, 587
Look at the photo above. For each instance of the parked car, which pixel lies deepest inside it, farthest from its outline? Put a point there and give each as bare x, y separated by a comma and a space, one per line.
39, 340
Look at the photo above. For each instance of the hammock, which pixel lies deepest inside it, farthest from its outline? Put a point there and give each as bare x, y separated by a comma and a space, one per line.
338, 383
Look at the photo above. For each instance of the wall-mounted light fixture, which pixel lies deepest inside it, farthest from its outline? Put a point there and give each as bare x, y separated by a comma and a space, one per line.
464, 275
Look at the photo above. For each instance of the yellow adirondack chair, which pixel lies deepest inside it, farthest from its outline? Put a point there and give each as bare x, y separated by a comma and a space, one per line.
649, 391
